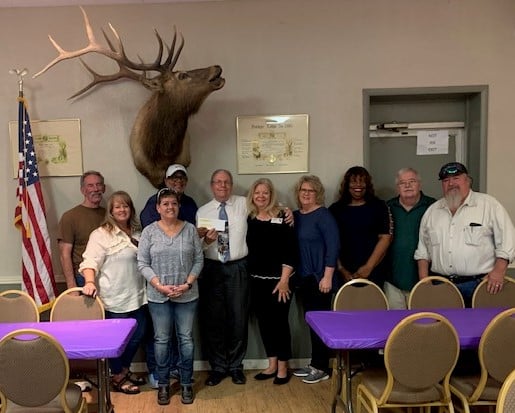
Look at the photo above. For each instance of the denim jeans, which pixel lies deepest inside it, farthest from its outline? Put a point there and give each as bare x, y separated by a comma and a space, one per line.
467, 290
125, 360
167, 317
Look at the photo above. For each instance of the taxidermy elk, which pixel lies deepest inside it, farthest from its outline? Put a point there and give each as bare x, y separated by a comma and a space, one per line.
158, 137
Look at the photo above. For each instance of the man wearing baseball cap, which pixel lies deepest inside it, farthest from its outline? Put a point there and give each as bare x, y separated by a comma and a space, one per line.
176, 178
466, 236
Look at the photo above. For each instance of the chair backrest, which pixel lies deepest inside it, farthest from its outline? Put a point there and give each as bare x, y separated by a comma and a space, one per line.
360, 294
17, 306
496, 357
504, 298
435, 292
70, 306
506, 399
34, 368
420, 352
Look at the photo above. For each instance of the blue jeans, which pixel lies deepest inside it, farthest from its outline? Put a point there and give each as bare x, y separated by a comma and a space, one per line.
167, 317
125, 360
79, 280
467, 290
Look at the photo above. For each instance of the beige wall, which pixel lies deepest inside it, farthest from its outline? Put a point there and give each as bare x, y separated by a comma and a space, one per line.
279, 57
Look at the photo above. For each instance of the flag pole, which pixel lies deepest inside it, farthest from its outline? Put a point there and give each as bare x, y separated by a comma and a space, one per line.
30, 215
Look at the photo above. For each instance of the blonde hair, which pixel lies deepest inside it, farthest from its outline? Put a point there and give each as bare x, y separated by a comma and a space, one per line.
109, 222
315, 182
273, 206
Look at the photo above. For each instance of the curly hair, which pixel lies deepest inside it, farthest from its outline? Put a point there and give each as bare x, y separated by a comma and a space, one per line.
356, 171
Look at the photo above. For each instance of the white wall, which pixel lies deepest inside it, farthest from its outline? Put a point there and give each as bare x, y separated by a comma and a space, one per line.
278, 57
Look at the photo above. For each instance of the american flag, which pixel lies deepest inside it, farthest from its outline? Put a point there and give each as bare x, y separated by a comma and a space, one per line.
30, 217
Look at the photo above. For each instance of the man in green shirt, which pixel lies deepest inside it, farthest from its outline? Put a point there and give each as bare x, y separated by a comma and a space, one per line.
406, 209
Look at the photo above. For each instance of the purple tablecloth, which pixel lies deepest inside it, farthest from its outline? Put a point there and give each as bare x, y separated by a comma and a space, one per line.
346, 330
84, 339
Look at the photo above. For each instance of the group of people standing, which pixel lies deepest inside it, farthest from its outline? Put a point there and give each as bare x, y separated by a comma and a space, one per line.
238, 253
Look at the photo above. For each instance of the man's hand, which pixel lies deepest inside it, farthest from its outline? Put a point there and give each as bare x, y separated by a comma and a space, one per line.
495, 281
211, 236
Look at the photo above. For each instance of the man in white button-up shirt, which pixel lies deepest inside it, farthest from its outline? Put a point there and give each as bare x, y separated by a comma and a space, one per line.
465, 236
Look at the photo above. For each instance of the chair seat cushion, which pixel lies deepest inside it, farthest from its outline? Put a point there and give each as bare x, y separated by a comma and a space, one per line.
73, 397
375, 381
467, 384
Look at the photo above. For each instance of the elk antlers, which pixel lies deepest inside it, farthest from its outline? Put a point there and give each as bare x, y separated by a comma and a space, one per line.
126, 66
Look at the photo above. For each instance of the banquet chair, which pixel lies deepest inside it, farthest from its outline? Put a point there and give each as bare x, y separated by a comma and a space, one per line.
17, 306
420, 354
506, 399
435, 292
34, 375
78, 307
497, 361
504, 298
357, 294
360, 294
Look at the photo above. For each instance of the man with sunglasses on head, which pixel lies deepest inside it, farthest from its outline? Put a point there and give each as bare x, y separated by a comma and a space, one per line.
176, 179
466, 236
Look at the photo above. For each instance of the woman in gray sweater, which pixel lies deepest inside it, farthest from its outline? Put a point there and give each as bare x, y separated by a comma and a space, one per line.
170, 258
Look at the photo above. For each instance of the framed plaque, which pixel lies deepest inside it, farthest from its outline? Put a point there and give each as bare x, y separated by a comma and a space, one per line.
272, 144
57, 144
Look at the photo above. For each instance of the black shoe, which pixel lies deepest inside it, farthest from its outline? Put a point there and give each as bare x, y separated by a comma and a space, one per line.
163, 394
238, 377
265, 376
282, 380
186, 394
214, 378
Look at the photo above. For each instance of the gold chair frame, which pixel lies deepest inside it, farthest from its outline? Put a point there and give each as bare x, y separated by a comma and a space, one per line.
426, 294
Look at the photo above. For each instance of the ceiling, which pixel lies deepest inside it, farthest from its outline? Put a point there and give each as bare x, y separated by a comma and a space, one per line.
51, 3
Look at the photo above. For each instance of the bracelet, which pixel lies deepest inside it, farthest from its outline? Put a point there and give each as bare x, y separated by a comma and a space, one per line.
156, 285
90, 282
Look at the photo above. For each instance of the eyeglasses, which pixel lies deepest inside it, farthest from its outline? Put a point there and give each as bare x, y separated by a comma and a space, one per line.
409, 182
178, 178
220, 183
165, 192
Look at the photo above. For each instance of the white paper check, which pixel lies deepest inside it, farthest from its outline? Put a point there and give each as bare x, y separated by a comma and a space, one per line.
217, 224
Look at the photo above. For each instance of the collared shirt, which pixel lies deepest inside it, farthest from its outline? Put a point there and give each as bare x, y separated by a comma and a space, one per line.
406, 223
236, 208
469, 242
112, 256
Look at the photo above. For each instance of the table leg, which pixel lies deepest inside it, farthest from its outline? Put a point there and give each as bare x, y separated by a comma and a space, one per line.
104, 395
342, 370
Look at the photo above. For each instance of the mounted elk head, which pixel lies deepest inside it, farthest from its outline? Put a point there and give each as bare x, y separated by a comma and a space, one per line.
158, 136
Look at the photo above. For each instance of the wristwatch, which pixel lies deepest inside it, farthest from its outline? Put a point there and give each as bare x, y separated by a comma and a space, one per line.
190, 285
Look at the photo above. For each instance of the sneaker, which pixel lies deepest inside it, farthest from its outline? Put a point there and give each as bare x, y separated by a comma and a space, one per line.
302, 372
315, 376
186, 394
152, 381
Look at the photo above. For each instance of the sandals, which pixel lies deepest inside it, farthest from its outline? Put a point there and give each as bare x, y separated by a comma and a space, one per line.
138, 381
123, 387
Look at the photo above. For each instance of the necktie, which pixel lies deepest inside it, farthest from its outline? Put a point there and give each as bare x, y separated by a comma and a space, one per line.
223, 237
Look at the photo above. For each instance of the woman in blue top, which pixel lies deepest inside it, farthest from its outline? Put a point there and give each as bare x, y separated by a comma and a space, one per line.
318, 240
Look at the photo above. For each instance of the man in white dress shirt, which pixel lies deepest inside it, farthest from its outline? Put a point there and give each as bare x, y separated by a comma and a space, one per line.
224, 287
465, 236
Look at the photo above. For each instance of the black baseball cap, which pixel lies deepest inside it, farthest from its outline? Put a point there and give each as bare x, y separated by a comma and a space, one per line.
452, 169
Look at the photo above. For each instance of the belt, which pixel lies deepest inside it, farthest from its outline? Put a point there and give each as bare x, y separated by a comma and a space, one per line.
459, 279
225, 263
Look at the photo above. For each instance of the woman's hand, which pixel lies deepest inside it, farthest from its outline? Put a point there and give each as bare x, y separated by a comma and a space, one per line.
325, 285
283, 290
90, 289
